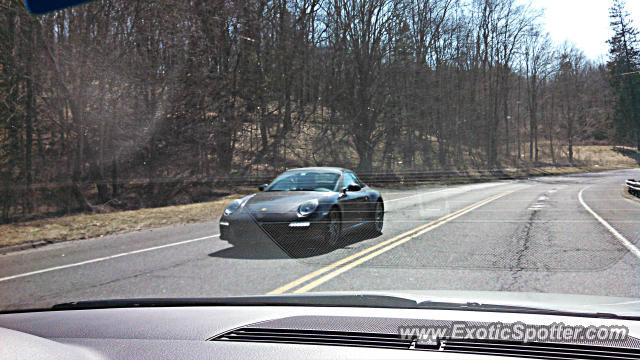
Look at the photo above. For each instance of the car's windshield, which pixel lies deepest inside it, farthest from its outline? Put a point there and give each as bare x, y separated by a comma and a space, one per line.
305, 181
204, 148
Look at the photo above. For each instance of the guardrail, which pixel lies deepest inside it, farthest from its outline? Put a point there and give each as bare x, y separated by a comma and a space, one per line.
633, 187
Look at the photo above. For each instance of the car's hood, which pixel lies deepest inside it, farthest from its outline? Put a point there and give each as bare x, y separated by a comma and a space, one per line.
620, 306
282, 202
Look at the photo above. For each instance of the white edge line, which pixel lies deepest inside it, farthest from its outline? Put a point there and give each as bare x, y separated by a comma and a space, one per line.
632, 248
104, 258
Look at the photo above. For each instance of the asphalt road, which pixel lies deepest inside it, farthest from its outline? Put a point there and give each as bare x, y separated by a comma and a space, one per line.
540, 235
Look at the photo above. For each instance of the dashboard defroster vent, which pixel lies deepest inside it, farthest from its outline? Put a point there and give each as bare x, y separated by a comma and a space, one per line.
316, 337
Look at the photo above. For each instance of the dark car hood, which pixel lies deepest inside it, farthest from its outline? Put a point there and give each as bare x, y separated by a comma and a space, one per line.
277, 204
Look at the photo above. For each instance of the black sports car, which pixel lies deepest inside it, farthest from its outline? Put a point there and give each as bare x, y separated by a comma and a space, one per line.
316, 203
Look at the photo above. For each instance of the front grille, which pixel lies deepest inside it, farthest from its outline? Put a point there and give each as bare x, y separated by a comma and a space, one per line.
283, 233
278, 231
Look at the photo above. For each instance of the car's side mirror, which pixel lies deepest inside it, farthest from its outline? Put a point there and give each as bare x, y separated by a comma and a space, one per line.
262, 187
354, 187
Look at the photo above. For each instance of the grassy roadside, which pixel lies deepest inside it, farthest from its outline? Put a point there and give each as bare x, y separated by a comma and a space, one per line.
86, 226
474, 177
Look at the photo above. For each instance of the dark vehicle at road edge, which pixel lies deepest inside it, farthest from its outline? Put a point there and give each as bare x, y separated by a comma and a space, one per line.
316, 203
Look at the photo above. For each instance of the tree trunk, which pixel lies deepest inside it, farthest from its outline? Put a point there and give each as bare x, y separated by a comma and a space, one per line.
30, 118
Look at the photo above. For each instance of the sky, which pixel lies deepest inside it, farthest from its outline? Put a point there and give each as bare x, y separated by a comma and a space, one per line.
582, 22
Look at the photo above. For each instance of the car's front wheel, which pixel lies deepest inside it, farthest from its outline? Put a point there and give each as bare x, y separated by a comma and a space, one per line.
377, 220
334, 228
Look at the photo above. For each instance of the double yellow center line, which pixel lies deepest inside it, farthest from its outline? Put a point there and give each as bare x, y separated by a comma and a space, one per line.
332, 270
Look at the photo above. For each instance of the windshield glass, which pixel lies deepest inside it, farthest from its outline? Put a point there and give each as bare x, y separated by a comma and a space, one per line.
179, 148
305, 181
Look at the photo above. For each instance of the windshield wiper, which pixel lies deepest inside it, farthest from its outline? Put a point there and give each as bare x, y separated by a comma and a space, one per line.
474, 306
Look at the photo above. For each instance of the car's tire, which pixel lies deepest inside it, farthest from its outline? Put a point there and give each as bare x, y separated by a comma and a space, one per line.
333, 232
377, 218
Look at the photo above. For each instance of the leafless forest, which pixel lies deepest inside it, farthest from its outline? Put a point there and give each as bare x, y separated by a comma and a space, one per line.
128, 104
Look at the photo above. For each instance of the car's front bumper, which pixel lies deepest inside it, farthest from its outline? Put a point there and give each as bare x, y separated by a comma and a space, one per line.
249, 227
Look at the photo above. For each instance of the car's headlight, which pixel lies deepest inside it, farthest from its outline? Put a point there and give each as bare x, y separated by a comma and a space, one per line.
233, 207
307, 207
236, 204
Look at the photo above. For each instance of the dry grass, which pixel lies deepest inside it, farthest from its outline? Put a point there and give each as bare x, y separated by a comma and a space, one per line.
604, 156
587, 155
96, 225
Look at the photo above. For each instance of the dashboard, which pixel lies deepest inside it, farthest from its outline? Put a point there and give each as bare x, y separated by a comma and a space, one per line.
276, 332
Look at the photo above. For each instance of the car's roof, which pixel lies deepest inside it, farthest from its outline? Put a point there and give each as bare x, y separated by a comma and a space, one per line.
320, 168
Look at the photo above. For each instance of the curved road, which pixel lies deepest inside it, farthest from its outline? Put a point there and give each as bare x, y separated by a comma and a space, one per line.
562, 234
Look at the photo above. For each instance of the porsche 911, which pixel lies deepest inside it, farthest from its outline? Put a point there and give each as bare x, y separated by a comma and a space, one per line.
318, 203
